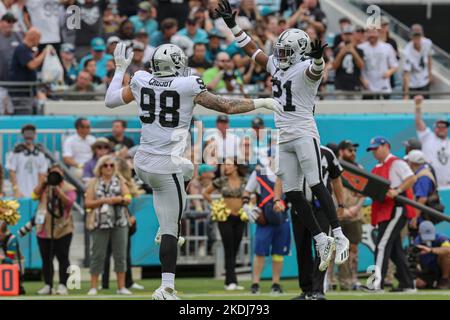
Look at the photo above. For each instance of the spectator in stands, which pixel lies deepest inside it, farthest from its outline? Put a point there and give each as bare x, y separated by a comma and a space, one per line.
141, 35
24, 62
256, 75
434, 258
91, 25
137, 63
101, 58
412, 144
215, 39
226, 143
100, 148
417, 66
231, 226
169, 27
111, 21
351, 221
27, 165
200, 182
248, 9
46, 21
435, 144
77, 147
223, 75
9, 40
309, 13
384, 33
69, 63
344, 23
54, 227
193, 32
6, 106
380, 63
425, 188
126, 30
266, 38
90, 67
198, 61
107, 197
360, 35
111, 44
120, 141
83, 84
144, 18
348, 63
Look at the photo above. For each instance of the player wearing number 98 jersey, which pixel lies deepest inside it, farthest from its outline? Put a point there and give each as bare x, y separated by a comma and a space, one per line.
166, 97
297, 67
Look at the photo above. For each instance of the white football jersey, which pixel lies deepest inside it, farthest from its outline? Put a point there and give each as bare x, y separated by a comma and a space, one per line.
297, 94
165, 105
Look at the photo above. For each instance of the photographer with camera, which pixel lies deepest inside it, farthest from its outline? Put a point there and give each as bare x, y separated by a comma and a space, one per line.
434, 249
107, 197
54, 226
223, 77
27, 164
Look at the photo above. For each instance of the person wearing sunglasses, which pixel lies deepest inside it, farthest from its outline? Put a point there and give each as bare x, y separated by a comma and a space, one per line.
101, 147
107, 198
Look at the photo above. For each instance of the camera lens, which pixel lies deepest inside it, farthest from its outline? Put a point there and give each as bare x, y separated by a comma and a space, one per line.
54, 178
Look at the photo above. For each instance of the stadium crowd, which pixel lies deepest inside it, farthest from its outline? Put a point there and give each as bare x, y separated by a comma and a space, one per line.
357, 59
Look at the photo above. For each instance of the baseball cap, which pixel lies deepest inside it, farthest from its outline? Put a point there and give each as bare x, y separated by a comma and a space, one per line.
98, 44
416, 156
222, 118
346, 144
348, 29
376, 142
205, 168
413, 144
9, 17
427, 231
137, 45
112, 39
257, 123
67, 47
145, 5
442, 121
215, 33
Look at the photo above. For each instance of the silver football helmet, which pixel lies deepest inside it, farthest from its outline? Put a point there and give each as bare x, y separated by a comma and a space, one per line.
169, 60
291, 47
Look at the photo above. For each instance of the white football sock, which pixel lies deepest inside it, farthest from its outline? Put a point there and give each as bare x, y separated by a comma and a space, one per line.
168, 280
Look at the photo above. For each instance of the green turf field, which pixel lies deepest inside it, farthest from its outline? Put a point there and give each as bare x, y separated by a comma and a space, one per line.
210, 289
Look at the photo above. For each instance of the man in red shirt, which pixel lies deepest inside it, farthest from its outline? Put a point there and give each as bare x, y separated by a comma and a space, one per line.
390, 216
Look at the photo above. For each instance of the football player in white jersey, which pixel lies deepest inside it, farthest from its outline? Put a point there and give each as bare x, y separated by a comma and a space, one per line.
296, 79
166, 99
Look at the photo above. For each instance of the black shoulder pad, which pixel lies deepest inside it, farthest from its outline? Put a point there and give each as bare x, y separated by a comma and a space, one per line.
19, 147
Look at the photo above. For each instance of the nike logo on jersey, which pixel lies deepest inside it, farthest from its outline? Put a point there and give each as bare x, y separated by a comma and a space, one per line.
156, 83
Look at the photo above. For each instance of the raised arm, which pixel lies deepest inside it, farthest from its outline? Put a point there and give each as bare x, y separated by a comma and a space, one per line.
420, 124
315, 71
231, 106
117, 95
242, 39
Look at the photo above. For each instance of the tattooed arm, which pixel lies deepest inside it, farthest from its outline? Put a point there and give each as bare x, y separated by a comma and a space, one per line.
231, 106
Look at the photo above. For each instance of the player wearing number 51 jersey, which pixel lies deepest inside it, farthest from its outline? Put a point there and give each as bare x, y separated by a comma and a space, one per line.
296, 79
166, 98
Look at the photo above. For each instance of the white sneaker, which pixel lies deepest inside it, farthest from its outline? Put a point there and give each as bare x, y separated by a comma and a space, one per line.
233, 287
137, 286
325, 250
62, 290
342, 249
165, 294
124, 291
181, 240
45, 290
92, 292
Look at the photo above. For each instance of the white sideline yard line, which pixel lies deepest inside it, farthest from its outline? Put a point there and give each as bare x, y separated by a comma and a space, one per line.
224, 295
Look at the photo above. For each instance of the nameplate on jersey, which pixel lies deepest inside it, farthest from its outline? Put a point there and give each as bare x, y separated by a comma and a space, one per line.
163, 84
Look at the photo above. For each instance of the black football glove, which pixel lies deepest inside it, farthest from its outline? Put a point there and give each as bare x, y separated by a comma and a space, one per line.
224, 11
317, 49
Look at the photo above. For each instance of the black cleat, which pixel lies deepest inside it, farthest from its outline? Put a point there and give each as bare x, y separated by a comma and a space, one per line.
318, 296
303, 296
276, 289
254, 289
